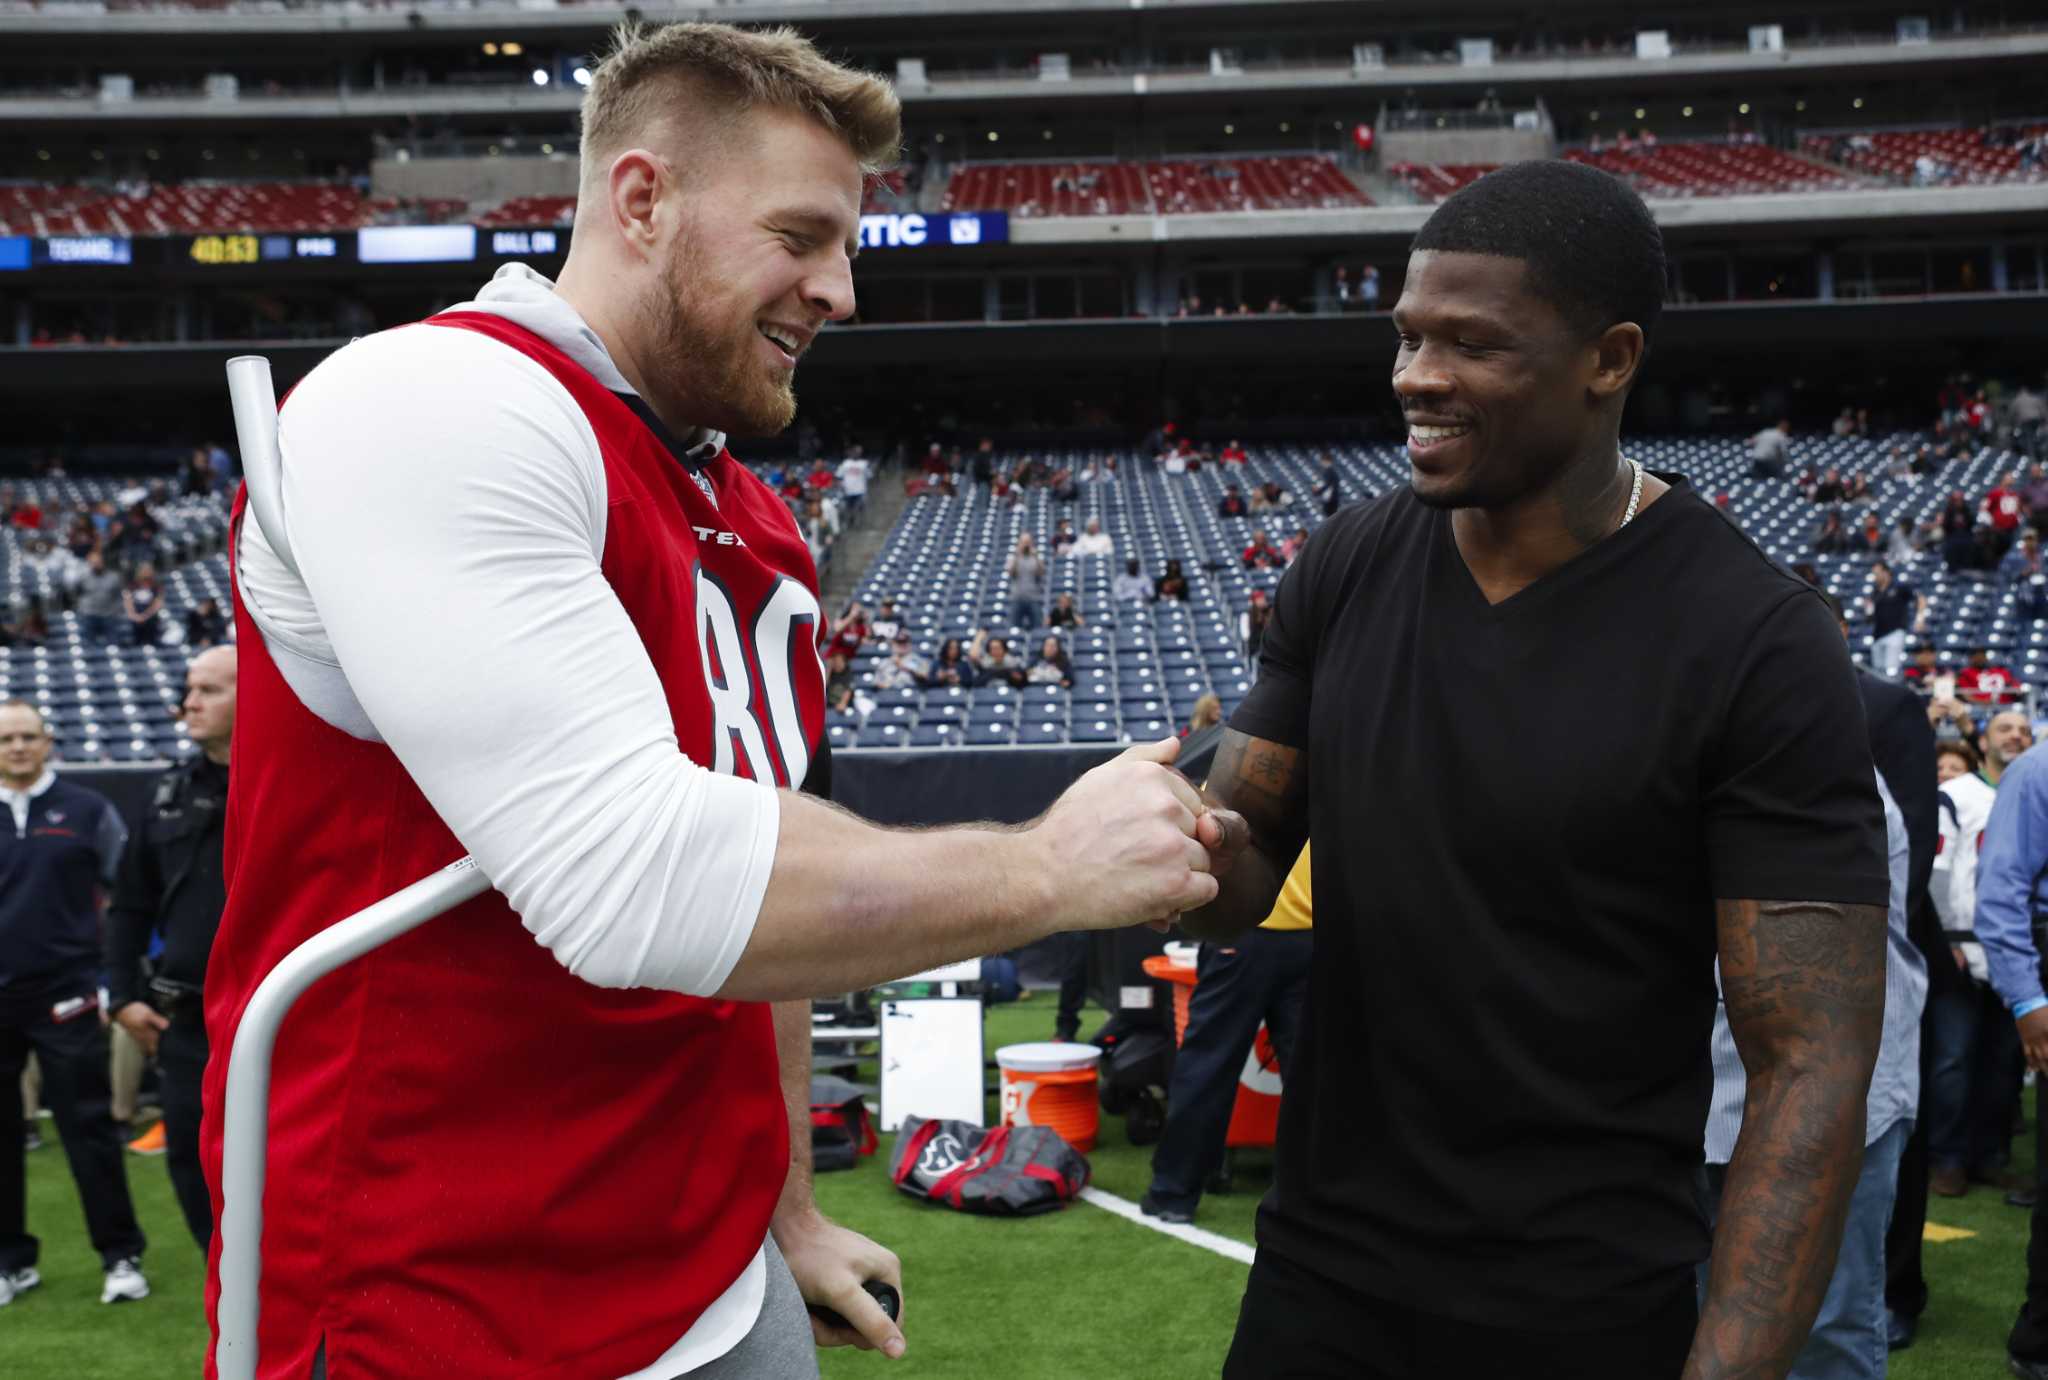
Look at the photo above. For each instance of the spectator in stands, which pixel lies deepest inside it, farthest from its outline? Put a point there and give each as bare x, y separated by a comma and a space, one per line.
28, 629
142, 603
1064, 614
2024, 571
1903, 544
1856, 489
1369, 288
993, 662
1845, 425
2005, 509
1271, 496
1251, 625
820, 527
1064, 487
1262, 554
952, 668
1025, 570
1232, 504
1950, 718
853, 482
1290, 545
83, 538
64, 571
2029, 423
1828, 488
205, 625
1131, 586
1983, 682
1053, 667
1329, 485
99, 600
200, 479
1207, 713
2007, 735
1895, 609
25, 514
1833, 537
1094, 541
2035, 495
134, 540
1063, 540
1769, 448
1171, 585
887, 622
1925, 667
1232, 454
848, 631
1346, 290
903, 668
839, 686
1960, 548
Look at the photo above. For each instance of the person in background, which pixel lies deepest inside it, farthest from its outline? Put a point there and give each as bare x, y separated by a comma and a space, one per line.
1848, 1338
1329, 485
1262, 554
172, 885
1769, 449
1094, 541
1251, 625
1232, 454
1260, 977
1232, 504
853, 482
1984, 682
1171, 585
887, 622
1974, 1062
142, 603
1903, 544
61, 846
1052, 666
1270, 497
952, 667
838, 683
1025, 570
99, 600
903, 668
1925, 667
2006, 737
2012, 867
1207, 713
1064, 614
849, 631
1895, 608
1832, 538
1063, 540
2026, 574
2005, 509
1130, 586
993, 662
205, 625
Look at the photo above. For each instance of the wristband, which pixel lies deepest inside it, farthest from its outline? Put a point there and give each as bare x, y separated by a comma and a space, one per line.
2027, 1007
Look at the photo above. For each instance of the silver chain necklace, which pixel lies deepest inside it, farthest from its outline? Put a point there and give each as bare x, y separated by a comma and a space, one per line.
1635, 495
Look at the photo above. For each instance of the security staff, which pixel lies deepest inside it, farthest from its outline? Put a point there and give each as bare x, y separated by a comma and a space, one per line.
171, 882
58, 843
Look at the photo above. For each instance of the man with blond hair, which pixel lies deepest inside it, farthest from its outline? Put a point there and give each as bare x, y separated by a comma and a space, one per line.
528, 606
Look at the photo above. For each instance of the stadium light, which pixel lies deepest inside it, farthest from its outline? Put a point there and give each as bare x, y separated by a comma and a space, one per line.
540, 77
1742, 109
581, 76
511, 49
490, 50
1230, 129
1686, 111
993, 136
1639, 112
1857, 103
1284, 127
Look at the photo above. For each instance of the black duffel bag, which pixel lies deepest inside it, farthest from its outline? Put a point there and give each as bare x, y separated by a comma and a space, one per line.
1007, 1171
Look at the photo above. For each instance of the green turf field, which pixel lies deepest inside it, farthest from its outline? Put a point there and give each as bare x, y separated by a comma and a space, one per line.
1076, 1295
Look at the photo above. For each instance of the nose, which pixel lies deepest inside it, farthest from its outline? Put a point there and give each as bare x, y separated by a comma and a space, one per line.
1422, 375
829, 290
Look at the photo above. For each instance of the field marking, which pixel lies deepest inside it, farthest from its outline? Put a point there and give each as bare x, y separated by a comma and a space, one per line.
1194, 1236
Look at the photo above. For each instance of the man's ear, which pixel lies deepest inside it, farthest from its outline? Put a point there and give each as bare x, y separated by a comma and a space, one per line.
1617, 358
634, 187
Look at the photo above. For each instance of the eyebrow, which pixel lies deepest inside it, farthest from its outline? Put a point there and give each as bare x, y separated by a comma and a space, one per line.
1459, 321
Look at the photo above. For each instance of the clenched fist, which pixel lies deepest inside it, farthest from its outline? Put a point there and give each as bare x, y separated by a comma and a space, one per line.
1130, 842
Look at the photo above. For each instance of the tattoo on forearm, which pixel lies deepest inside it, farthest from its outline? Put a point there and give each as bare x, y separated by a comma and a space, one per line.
1804, 984
1263, 781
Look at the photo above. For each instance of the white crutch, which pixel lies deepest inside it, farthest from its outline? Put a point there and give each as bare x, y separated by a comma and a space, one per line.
247, 1113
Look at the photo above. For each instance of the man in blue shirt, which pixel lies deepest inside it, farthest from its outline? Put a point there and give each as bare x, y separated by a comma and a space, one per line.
59, 843
2012, 868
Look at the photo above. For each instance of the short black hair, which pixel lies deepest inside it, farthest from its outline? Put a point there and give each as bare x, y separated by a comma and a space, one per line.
1593, 249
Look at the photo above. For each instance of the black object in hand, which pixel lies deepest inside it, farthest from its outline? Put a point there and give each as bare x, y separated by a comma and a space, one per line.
884, 1295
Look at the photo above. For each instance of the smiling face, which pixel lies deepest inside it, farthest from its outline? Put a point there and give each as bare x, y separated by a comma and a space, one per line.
759, 256
1493, 381
24, 746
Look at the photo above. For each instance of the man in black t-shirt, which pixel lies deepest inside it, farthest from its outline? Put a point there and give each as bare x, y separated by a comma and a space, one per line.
1490, 1147
1895, 609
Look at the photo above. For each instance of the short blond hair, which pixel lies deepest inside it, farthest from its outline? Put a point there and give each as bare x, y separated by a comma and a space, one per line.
690, 76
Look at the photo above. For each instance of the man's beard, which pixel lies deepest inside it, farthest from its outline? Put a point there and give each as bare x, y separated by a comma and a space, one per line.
706, 366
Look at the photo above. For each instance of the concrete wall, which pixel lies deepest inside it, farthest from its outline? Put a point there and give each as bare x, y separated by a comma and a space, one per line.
474, 179
1463, 145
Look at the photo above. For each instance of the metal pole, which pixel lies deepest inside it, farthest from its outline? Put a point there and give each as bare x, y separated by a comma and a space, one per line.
247, 1112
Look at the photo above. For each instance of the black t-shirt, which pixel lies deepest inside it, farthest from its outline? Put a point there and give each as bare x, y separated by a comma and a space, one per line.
1522, 815
1892, 611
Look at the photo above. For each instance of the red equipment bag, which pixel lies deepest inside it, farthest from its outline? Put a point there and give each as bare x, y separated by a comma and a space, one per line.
841, 1129
1009, 1171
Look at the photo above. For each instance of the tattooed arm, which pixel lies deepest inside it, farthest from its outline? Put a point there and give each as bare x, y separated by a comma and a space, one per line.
1804, 983
1261, 792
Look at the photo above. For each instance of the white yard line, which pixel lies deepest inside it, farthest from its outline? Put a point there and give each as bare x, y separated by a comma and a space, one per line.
1194, 1236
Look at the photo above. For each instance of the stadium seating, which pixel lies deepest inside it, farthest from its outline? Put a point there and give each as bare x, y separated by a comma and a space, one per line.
1284, 182
1435, 181
1960, 155
530, 210
190, 208
1672, 170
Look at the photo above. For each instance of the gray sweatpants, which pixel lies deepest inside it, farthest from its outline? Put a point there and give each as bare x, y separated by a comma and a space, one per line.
778, 1348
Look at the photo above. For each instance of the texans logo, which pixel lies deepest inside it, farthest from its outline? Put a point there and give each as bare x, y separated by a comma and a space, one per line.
705, 485
55, 817
941, 1153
